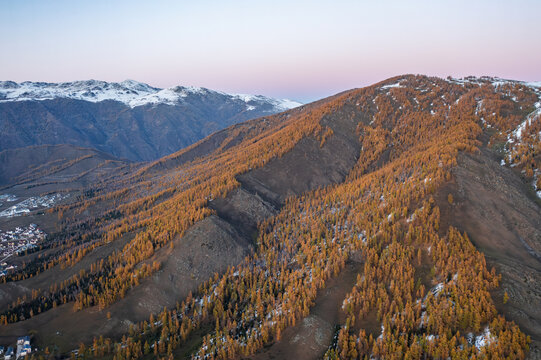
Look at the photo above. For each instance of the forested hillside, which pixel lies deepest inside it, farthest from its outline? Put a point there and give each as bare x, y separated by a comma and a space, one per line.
238, 235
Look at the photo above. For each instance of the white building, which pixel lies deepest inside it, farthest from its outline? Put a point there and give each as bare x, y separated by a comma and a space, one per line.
23, 347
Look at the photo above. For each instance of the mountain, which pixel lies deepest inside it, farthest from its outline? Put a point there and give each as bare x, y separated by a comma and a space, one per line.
397, 220
128, 120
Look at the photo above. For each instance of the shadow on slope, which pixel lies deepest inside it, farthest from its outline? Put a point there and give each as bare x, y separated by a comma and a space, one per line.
502, 217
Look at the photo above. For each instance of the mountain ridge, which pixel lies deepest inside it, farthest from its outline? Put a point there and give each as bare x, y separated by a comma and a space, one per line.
128, 92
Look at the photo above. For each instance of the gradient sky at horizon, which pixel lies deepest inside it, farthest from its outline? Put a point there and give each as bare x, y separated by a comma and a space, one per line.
303, 50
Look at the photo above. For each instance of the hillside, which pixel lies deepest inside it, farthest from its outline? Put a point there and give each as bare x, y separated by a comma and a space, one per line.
397, 220
52, 164
128, 120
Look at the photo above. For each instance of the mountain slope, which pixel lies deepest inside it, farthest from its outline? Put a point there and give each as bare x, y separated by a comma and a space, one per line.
53, 163
239, 234
501, 216
128, 120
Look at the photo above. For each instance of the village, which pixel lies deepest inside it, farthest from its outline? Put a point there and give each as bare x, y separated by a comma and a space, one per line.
7, 198
23, 349
18, 241
27, 205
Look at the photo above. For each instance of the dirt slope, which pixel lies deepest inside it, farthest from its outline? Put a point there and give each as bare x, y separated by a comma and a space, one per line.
502, 217
311, 337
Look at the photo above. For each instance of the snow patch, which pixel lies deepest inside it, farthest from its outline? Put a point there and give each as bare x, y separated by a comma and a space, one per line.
278, 104
437, 289
484, 339
391, 86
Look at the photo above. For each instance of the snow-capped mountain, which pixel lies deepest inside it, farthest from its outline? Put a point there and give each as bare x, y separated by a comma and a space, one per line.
129, 92
128, 119
89, 90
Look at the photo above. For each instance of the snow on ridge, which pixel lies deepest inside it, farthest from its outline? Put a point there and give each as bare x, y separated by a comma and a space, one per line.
278, 104
287, 104
535, 84
129, 92
391, 85
88, 90
495, 81
170, 96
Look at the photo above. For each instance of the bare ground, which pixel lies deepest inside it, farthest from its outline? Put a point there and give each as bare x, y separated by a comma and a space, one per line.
311, 337
502, 217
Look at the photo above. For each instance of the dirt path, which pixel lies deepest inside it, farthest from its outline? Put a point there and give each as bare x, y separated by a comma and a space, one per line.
311, 337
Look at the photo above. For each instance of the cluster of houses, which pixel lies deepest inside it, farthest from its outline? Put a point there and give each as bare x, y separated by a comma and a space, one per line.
25, 206
8, 198
23, 349
18, 241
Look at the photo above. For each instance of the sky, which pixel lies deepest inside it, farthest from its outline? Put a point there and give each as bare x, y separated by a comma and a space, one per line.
302, 50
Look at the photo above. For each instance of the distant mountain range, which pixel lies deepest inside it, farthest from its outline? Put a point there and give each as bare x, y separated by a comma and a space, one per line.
129, 119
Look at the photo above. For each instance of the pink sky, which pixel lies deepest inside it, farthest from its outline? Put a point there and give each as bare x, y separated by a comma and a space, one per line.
302, 50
